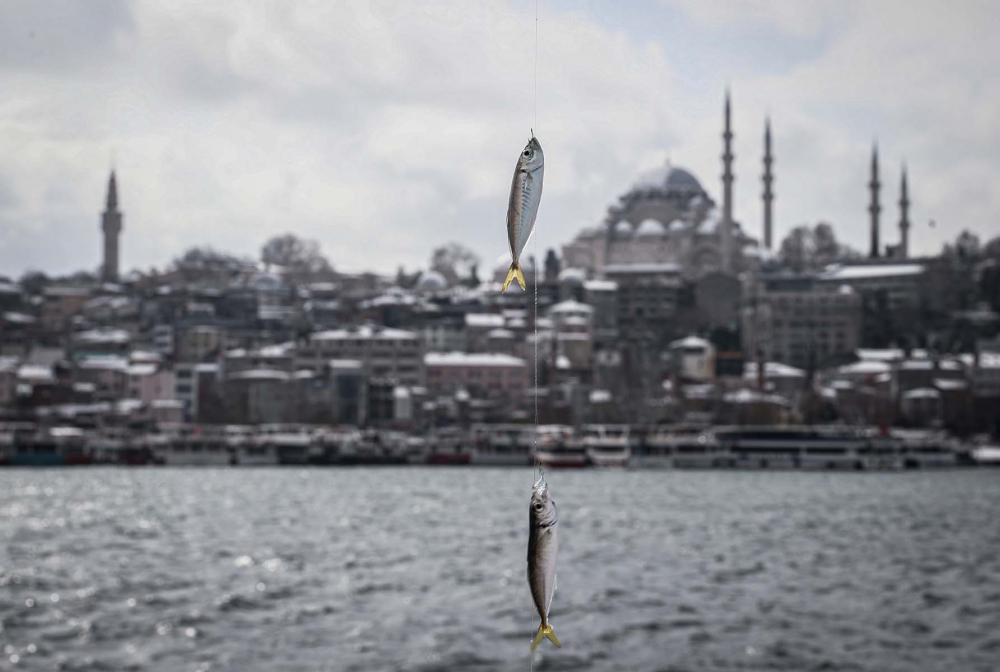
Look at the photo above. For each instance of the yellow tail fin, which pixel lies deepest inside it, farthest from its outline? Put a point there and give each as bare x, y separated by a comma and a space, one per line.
514, 272
545, 630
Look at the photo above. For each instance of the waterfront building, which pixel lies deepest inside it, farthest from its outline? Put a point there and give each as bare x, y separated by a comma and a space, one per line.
483, 375
385, 353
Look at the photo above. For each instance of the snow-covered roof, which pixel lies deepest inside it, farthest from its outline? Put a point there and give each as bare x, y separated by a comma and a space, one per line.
917, 365
622, 269
562, 362
747, 396
989, 360
103, 336
600, 286
260, 374
950, 384
108, 363
922, 393
772, 370
864, 368
575, 275
569, 307
363, 333
342, 364
879, 355
140, 356
866, 272
18, 318
141, 369
501, 333
34, 372
600, 396
483, 320
472, 359
691, 342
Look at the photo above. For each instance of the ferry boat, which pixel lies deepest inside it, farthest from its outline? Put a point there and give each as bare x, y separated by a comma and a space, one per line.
193, 446
449, 445
680, 447
606, 446
768, 447
562, 450
923, 449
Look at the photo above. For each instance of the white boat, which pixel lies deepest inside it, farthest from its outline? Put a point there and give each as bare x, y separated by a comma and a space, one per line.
562, 450
606, 446
927, 450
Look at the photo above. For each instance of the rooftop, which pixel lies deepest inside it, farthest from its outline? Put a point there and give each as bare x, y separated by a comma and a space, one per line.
365, 333
866, 272
471, 359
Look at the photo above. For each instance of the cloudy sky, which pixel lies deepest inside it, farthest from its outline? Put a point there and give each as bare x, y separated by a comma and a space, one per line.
385, 129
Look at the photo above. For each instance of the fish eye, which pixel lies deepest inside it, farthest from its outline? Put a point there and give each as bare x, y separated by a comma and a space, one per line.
527, 152
538, 507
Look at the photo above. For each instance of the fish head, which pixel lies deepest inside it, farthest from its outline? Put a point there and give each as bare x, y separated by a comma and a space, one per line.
543, 507
532, 158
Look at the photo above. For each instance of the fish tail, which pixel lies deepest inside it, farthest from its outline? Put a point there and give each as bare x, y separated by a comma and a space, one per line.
512, 274
545, 631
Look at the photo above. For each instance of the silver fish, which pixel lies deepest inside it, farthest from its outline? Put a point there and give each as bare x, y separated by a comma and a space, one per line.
543, 544
522, 208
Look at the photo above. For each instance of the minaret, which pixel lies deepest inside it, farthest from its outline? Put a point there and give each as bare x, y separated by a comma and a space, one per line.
874, 208
111, 223
726, 237
768, 181
904, 218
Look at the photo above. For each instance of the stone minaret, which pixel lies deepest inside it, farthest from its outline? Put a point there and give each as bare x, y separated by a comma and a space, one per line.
904, 218
726, 234
111, 223
768, 181
874, 209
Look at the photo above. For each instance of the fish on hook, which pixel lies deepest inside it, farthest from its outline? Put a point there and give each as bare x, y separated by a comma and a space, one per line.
522, 208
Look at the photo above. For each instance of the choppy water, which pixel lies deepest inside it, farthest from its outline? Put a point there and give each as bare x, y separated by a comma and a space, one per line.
423, 569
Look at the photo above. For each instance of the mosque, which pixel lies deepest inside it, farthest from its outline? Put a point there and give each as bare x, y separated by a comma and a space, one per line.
667, 217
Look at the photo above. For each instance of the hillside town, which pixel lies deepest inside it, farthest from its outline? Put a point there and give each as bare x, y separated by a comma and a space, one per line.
667, 312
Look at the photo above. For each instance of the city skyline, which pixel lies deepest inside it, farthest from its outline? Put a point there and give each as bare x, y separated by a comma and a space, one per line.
240, 134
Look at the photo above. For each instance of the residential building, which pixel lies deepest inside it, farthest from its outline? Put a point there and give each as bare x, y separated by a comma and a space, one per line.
482, 375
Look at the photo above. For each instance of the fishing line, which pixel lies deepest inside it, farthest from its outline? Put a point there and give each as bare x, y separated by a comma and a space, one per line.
536, 464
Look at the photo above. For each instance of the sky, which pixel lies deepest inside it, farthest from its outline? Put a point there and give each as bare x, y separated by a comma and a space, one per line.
385, 129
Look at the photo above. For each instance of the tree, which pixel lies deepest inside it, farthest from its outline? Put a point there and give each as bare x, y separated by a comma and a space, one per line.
199, 263
300, 258
33, 282
454, 261
807, 248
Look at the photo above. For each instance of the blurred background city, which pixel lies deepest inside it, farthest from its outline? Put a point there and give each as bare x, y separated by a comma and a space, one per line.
252, 236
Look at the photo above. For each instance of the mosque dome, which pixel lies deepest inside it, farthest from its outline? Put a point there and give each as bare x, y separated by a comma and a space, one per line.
623, 228
670, 179
650, 227
432, 281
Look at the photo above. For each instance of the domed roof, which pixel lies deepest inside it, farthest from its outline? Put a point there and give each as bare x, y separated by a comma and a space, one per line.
623, 227
669, 178
650, 227
432, 280
677, 225
575, 276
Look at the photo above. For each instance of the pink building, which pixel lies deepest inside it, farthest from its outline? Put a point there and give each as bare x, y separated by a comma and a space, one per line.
483, 374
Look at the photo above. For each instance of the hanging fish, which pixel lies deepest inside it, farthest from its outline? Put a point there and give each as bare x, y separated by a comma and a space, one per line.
543, 544
525, 195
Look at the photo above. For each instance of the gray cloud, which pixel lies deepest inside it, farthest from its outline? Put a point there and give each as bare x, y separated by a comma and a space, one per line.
384, 129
